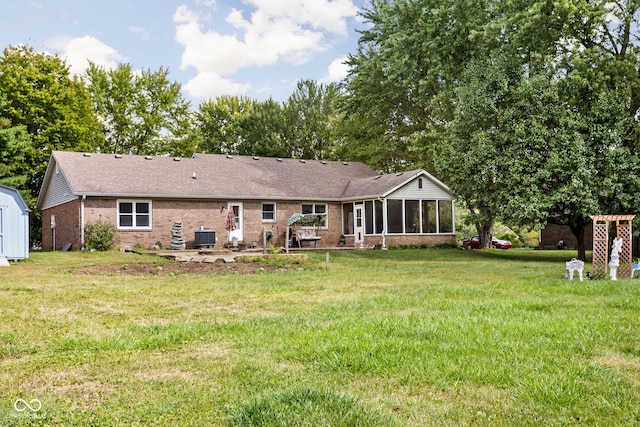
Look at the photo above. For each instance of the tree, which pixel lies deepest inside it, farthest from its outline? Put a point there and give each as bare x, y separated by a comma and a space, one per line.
401, 83
51, 106
311, 118
218, 121
540, 98
14, 145
264, 131
142, 113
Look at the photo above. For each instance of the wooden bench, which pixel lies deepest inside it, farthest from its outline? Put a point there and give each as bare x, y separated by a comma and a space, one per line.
306, 235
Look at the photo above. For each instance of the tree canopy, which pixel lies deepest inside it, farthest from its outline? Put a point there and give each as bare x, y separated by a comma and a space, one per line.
51, 106
142, 113
528, 109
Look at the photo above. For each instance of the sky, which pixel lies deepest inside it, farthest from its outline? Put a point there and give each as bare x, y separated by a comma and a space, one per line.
254, 48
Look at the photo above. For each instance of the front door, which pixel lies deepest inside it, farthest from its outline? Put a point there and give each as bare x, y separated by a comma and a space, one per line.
236, 234
358, 226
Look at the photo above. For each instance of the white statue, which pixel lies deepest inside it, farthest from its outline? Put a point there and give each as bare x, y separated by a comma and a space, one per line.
614, 260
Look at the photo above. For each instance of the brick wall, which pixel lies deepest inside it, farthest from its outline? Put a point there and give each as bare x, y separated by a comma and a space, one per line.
67, 226
211, 215
552, 233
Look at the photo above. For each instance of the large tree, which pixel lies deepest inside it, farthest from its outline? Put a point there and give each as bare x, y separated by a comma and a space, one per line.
471, 74
402, 78
311, 117
14, 145
143, 113
51, 105
304, 126
218, 121
264, 131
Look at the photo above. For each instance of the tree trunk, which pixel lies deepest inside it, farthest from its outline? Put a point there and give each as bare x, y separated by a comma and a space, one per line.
578, 232
485, 232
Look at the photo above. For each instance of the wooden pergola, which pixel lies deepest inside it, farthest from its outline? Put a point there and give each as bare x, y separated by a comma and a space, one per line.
601, 224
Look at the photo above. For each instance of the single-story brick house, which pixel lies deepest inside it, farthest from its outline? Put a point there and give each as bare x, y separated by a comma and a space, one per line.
144, 195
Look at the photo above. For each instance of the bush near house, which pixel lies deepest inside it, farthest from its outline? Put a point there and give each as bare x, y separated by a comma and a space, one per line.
100, 235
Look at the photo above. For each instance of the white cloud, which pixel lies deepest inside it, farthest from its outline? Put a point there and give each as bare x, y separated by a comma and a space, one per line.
144, 34
211, 85
337, 71
274, 31
208, 3
79, 51
322, 15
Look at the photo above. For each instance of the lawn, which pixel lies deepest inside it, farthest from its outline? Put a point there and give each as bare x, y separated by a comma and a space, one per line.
424, 337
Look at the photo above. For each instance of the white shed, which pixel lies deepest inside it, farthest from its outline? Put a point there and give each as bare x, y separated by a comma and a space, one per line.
14, 225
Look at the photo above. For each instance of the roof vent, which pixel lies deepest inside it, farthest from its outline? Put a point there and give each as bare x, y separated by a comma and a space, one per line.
323, 162
176, 159
148, 157
229, 156
399, 173
303, 161
194, 176
118, 156
345, 163
194, 156
87, 154
377, 177
256, 158
278, 159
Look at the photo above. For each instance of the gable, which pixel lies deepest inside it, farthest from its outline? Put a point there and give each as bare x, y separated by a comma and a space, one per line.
401, 185
412, 190
55, 188
11, 198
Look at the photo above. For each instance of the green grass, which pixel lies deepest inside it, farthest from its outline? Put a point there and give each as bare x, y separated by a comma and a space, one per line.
424, 337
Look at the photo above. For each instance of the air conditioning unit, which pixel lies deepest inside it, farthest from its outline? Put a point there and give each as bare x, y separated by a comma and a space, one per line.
205, 238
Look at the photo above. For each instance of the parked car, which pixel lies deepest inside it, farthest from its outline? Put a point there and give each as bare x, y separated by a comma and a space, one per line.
474, 243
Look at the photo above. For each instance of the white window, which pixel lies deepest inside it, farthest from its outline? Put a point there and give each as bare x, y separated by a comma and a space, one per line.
316, 209
268, 212
134, 214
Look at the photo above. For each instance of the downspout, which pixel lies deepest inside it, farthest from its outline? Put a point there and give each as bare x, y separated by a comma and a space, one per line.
84, 197
384, 222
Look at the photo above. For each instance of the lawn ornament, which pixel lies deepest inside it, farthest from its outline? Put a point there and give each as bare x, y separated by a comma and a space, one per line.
573, 265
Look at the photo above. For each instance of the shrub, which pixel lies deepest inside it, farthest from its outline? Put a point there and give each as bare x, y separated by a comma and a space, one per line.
100, 235
513, 238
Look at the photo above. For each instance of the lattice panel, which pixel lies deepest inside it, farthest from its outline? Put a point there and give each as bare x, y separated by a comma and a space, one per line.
600, 249
626, 257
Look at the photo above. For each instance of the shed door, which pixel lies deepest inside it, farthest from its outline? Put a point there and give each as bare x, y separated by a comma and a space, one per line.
2, 231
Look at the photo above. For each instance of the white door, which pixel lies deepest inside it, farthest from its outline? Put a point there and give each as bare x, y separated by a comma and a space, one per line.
237, 213
358, 225
2, 232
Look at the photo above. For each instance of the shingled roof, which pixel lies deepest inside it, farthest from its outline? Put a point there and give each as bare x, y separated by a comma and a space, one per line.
215, 176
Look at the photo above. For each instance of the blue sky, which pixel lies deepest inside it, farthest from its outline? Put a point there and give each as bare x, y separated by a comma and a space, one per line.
256, 48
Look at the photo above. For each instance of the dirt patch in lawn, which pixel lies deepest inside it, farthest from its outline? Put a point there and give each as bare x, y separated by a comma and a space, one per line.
219, 267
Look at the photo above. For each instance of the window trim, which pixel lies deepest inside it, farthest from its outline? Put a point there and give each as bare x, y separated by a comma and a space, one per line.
134, 202
274, 212
326, 213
